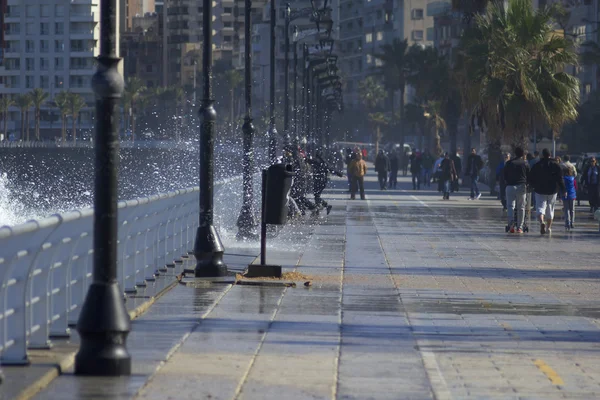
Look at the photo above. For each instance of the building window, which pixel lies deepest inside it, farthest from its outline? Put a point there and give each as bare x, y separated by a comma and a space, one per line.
13, 46
417, 13
29, 82
30, 28
58, 81
430, 34
44, 64
44, 82
228, 24
149, 68
45, 10
379, 14
59, 46
369, 59
13, 29
226, 10
44, 28
379, 36
29, 64
12, 64
44, 46
59, 63
13, 11
29, 46
378, 62
13, 81
368, 38
30, 11
417, 34
59, 28
59, 10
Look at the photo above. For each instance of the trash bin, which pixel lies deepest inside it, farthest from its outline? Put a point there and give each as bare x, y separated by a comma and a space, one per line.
279, 182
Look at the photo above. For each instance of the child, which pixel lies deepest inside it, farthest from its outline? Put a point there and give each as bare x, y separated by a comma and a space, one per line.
569, 200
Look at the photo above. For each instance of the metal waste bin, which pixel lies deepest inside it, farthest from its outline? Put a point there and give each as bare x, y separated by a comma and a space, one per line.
278, 184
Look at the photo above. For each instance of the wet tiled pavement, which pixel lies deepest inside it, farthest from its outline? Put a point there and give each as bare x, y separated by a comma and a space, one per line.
412, 297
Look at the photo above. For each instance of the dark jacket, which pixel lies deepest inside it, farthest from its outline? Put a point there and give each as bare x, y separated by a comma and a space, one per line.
474, 165
448, 170
415, 164
516, 172
394, 161
546, 177
382, 163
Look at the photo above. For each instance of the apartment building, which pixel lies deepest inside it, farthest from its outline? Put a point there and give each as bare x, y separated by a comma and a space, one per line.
365, 26
50, 44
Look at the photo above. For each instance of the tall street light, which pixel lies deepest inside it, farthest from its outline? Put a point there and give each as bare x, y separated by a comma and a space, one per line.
286, 69
208, 248
295, 107
272, 129
104, 323
246, 221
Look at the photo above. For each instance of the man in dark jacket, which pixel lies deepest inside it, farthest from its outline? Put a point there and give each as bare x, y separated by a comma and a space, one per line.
515, 175
547, 180
394, 166
474, 165
415, 170
321, 171
448, 175
382, 166
591, 179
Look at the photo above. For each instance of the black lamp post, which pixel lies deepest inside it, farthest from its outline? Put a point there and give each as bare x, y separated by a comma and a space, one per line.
104, 324
246, 222
208, 248
295, 112
272, 129
286, 80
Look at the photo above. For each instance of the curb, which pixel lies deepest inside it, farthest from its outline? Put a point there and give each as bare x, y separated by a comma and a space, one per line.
68, 360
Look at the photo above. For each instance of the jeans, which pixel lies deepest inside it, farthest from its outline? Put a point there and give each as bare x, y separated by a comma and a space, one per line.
382, 177
545, 205
393, 178
447, 187
516, 196
569, 206
416, 181
427, 176
474, 187
358, 183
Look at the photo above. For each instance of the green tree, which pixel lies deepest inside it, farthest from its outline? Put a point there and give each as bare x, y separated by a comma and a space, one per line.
24, 103
133, 90
515, 61
38, 98
76, 104
396, 67
5, 104
61, 100
372, 93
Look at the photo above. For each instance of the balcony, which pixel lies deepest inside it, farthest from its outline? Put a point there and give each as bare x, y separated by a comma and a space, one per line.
82, 17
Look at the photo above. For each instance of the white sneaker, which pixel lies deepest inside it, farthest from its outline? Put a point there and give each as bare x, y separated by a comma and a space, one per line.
478, 196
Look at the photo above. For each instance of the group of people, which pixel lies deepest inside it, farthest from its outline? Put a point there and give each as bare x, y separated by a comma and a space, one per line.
547, 179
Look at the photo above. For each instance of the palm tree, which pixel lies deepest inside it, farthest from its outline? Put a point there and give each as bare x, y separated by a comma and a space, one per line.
415, 116
133, 90
24, 103
396, 67
62, 102
76, 104
371, 93
5, 104
234, 78
38, 97
515, 61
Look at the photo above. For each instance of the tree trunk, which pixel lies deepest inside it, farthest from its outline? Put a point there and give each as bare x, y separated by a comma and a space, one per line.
133, 126
437, 141
494, 157
63, 128
74, 129
401, 124
453, 133
37, 124
5, 124
22, 125
27, 124
232, 113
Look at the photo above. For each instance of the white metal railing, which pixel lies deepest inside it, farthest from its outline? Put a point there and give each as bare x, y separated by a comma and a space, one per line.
46, 265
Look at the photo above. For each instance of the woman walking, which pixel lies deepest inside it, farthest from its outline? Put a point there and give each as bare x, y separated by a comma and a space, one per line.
570, 198
448, 175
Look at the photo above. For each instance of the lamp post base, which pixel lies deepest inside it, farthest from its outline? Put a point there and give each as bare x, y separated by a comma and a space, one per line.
103, 327
208, 251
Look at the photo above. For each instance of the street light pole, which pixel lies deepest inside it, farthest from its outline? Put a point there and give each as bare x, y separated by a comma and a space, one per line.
286, 100
246, 221
295, 112
104, 323
208, 248
272, 129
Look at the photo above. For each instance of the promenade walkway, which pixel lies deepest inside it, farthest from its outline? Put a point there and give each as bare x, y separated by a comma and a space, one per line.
412, 297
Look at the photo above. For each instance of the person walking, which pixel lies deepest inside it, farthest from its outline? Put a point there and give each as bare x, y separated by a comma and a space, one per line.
591, 179
394, 166
415, 170
458, 165
569, 165
382, 166
571, 196
427, 164
358, 169
547, 180
404, 162
447, 175
515, 174
437, 173
474, 165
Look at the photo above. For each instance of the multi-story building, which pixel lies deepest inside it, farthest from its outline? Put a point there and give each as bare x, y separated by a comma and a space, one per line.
141, 49
50, 44
130, 9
